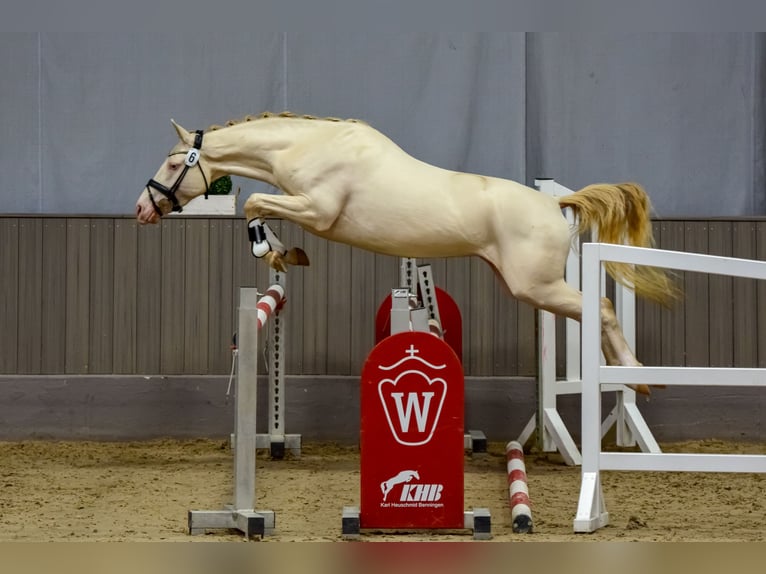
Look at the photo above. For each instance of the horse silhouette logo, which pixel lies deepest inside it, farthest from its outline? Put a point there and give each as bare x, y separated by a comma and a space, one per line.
402, 477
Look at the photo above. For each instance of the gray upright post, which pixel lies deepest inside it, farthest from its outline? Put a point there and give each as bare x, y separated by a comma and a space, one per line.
247, 392
242, 515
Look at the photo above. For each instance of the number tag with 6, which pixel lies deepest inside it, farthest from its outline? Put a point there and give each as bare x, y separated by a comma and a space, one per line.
192, 157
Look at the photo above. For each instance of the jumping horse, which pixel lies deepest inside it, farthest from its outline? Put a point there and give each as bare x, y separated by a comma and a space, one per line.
345, 181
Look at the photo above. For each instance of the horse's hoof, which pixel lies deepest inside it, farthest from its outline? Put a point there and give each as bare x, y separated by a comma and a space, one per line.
641, 389
277, 261
297, 256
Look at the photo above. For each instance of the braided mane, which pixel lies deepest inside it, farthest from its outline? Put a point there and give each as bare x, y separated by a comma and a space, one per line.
285, 114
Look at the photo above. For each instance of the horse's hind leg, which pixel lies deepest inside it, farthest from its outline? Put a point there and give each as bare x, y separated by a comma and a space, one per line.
561, 299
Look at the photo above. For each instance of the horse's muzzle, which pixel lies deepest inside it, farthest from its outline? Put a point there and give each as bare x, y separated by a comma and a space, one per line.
145, 212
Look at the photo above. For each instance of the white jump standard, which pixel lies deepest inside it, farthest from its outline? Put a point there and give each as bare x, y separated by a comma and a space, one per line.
241, 515
276, 440
552, 434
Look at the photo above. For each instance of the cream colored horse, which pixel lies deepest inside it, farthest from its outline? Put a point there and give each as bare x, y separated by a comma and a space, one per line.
347, 182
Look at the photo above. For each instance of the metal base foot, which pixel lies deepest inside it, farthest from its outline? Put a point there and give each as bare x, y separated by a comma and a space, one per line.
475, 441
350, 528
477, 520
251, 523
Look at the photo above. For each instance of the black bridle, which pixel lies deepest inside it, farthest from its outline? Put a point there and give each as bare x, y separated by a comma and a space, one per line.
192, 159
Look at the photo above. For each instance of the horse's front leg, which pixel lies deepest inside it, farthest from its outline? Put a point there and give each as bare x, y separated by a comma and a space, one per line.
264, 242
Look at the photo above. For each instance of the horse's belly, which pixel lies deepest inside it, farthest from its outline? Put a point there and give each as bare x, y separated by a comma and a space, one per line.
413, 234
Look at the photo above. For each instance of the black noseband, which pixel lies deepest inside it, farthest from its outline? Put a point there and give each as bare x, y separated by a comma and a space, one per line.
192, 159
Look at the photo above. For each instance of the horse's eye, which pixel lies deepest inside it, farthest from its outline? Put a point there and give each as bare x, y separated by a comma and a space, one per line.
173, 166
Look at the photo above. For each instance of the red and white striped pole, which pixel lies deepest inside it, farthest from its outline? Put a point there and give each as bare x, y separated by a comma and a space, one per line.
518, 490
268, 303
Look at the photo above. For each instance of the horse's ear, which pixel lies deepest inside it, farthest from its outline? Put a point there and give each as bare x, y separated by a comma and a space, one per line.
182, 132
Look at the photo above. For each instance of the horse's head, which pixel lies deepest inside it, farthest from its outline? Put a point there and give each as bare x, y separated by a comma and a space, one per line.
181, 178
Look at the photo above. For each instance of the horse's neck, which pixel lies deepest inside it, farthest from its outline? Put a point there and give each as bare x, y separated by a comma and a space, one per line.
249, 149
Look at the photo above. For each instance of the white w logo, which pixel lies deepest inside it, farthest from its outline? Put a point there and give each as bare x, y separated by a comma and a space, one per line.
416, 411
413, 404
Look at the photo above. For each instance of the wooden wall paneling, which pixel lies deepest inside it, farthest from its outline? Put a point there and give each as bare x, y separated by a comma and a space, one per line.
744, 304
697, 307
220, 296
172, 340
78, 296
504, 330
101, 331
480, 320
363, 307
30, 293
721, 306
293, 236
315, 306
150, 298
53, 352
457, 283
673, 324
386, 275
760, 292
196, 302
9, 295
527, 340
339, 317
104, 295
124, 340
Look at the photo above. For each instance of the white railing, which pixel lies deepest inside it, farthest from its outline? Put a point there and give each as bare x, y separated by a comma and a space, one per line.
591, 510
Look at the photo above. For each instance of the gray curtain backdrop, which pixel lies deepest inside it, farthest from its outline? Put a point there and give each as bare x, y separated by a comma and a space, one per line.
85, 118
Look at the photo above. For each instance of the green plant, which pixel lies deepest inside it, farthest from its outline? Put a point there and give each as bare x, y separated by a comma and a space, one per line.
221, 186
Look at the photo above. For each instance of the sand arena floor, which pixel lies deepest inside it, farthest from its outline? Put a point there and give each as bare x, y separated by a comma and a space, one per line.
140, 491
